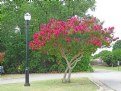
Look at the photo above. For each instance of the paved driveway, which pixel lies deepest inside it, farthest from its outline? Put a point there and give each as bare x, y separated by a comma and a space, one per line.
112, 79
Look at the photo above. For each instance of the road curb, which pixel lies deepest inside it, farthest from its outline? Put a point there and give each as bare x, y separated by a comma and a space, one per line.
100, 85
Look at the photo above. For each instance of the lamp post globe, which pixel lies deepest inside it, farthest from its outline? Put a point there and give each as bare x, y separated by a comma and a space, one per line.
27, 18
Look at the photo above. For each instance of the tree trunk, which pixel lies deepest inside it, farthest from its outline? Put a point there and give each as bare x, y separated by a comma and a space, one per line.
65, 74
112, 64
68, 71
69, 76
70, 65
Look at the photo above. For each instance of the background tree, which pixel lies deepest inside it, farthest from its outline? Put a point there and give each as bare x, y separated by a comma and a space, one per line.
107, 57
117, 50
71, 40
117, 55
100, 54
117, 45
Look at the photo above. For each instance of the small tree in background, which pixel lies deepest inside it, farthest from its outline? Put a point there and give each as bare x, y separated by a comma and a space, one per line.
117, 45
117, 51
117, 55
107, 57
71, 40
100, 54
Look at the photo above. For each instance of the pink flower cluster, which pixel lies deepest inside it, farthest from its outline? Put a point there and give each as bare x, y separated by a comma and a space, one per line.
60, 29
95, 41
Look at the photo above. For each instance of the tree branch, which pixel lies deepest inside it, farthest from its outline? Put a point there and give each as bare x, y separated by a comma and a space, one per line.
75, 56
64, 56
75, 62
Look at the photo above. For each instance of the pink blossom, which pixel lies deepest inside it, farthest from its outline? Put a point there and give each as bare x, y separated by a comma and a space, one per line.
96, 40
102, 32
106, 39
51, 31
99, 43
52, 20
36, 36
48, 25
97, 27
89, 41
105, 29
111, 29
57, 33
76, 39
54, 44
93, 20
43, 38
68, 39
78, 28
41, 33
114, 39
65, 32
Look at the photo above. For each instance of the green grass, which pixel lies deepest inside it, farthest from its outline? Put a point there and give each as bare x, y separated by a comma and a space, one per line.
107, 68
82, 84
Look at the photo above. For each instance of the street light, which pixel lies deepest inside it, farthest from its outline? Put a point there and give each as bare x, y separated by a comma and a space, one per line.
27, 18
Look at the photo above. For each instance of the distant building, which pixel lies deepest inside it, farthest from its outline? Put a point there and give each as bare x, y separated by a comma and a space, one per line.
98, 62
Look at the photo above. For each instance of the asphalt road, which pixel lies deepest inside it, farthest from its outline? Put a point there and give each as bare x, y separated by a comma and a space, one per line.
111, 79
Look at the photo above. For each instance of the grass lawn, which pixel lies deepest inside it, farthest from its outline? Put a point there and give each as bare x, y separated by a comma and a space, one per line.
81, 84
107, 68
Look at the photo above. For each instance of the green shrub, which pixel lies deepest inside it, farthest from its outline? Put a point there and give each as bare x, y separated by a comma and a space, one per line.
15, 62
83, 65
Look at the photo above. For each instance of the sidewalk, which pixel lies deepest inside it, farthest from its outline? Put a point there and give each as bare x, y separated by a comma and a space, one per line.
36, 77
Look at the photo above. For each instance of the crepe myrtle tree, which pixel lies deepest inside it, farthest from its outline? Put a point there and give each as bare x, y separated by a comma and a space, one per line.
71, 40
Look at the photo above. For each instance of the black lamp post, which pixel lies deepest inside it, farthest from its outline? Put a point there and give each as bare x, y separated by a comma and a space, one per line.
27, 18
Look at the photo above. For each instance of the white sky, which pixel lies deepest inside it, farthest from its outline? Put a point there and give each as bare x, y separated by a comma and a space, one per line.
109, 11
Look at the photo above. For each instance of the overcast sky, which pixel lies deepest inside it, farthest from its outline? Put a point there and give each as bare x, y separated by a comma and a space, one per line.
110, 12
